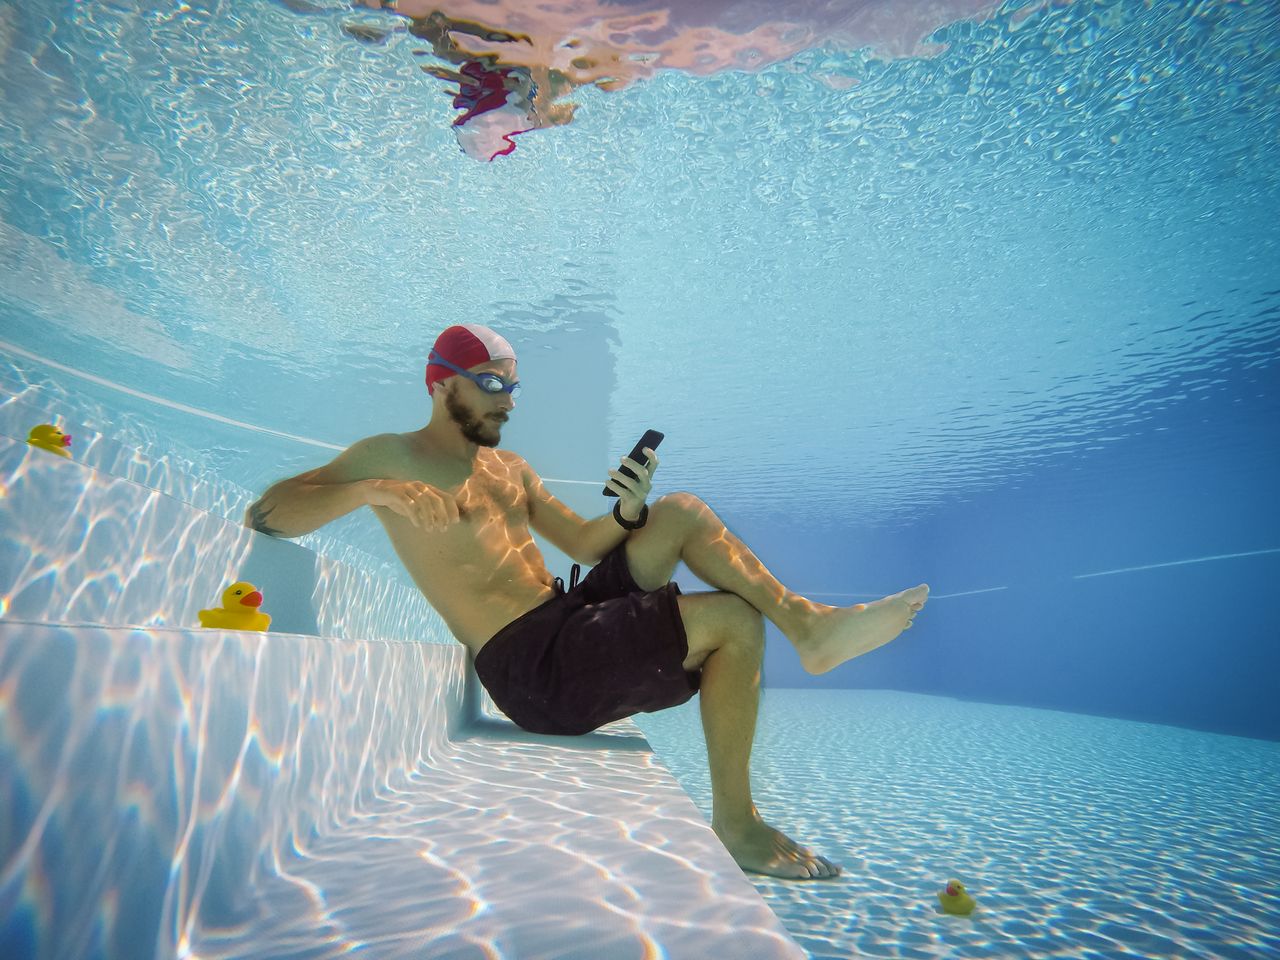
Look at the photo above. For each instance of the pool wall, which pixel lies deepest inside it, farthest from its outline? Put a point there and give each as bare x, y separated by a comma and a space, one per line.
168, 784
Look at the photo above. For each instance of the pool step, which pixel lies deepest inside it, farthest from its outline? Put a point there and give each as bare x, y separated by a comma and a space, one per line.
168, 791
85, 545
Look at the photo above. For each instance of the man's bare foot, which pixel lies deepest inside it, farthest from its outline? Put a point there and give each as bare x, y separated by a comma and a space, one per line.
758, 848
837, 634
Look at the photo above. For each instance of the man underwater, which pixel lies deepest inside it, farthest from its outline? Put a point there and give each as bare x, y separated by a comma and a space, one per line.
624, 640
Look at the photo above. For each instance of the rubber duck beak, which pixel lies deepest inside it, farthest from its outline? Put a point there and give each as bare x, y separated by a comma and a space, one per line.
253, 600
66, 439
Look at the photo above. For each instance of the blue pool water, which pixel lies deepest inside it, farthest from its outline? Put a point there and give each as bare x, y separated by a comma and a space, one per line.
974, 294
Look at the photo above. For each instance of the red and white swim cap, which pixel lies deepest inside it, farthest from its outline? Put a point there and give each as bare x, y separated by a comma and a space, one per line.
466, 345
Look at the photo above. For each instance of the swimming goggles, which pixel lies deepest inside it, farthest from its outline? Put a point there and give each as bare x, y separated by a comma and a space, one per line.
488, 382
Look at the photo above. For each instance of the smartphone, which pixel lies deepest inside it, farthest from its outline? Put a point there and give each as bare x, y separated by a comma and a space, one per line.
651, 439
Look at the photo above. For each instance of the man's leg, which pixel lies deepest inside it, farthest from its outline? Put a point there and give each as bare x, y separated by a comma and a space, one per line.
682, 527
726, 638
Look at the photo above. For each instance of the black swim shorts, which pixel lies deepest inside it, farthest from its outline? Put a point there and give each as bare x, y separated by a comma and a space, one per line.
601, 651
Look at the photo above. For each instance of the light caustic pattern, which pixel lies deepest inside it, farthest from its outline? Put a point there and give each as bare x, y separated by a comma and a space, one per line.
313, 804
82, 546
1080, 837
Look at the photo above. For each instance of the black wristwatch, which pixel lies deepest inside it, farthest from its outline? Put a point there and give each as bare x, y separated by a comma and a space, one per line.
635, 524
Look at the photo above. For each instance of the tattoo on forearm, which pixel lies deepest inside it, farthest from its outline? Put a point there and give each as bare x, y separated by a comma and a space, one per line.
258, 515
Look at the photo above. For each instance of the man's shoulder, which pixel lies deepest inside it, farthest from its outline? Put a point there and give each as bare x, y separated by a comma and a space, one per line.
381, 445
377, 453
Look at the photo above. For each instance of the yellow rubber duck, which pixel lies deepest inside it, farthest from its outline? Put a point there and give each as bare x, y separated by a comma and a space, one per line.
239, 610
955, 900
48, 437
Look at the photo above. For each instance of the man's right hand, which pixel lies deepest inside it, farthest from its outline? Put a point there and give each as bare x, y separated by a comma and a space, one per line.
427, 507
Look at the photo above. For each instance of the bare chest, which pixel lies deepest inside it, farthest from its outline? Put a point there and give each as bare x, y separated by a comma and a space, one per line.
485, 570
491, 492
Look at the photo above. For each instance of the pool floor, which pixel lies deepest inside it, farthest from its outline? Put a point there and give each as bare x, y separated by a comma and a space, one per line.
1079, 836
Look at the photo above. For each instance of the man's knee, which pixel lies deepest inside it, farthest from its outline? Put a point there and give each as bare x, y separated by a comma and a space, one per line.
751, 631
725, 616
719, 619
684, 506
743, 630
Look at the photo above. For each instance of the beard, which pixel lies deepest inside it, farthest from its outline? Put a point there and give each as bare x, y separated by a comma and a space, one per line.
483, 431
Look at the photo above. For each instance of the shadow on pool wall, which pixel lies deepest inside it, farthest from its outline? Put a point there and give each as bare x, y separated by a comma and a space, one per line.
1192, 644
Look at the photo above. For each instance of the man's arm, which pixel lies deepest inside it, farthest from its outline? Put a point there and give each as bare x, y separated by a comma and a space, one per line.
308, 501
581, 540
355, 478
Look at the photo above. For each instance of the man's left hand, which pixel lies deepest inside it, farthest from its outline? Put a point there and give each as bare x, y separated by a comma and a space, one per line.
633, 493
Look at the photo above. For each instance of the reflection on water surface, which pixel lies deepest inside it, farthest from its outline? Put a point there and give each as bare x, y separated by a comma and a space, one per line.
512, 68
